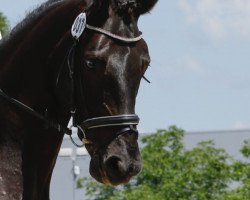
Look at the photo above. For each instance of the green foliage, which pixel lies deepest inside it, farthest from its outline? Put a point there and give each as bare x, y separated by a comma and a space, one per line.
241, 176
170, 172
245, 150
4, 27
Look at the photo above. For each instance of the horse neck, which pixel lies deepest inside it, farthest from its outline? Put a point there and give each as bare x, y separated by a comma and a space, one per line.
25, 75
27, 70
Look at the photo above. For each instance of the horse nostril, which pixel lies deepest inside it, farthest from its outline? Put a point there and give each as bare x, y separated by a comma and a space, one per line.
130, 169
116, 165
133, 169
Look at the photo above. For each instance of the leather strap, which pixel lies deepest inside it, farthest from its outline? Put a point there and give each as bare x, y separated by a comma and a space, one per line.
116, 120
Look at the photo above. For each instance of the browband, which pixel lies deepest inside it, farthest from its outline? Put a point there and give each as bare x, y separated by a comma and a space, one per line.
114, 36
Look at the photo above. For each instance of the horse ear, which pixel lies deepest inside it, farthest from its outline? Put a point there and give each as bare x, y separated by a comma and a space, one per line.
147, 5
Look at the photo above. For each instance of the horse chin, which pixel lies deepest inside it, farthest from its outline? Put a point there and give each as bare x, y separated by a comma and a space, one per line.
118, 182
100, 175
109, 181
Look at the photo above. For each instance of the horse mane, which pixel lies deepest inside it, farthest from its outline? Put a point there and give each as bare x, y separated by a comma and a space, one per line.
33, 15
16, 34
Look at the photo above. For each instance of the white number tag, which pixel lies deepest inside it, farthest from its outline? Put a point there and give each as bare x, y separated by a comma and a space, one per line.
78, 25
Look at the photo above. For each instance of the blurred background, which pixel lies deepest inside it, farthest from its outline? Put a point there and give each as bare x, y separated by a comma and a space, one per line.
199, 74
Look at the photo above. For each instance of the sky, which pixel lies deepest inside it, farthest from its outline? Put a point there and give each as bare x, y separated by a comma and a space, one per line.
200, 69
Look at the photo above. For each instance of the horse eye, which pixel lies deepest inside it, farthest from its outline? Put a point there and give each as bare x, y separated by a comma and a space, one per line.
93, 63
90, 64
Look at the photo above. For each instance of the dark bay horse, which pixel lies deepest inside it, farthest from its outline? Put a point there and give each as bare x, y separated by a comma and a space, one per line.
48, 75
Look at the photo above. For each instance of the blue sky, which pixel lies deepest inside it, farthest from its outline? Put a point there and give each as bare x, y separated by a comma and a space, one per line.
200, 70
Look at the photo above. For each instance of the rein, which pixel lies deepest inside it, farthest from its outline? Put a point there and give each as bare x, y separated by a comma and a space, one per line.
117, 120
127, 121
31, 111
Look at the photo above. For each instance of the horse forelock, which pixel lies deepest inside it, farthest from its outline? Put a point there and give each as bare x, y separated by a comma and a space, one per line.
139, 6
125, 4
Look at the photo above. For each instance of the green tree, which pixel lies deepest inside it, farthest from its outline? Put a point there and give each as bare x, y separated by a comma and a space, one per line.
4, 26
241, 176
170, 172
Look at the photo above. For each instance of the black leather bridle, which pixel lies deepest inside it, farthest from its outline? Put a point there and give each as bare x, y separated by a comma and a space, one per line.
127, 122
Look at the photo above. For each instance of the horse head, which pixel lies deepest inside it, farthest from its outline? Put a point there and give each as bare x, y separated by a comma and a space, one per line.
108, 78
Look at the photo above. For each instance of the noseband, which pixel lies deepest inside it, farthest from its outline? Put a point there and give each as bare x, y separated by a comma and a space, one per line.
128, 121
